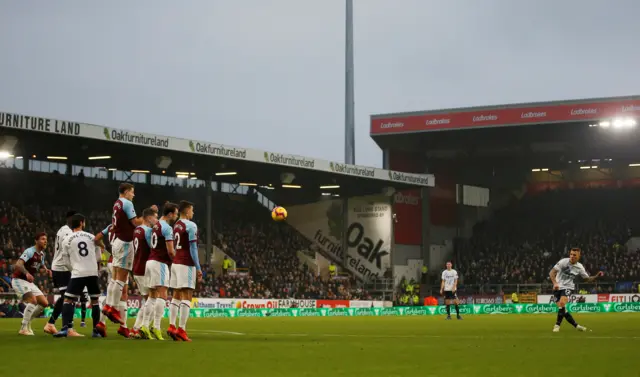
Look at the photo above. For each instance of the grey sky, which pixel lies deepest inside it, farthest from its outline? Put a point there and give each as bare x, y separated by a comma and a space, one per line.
269, 74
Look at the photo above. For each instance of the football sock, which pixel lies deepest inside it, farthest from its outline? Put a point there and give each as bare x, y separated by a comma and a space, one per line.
96, 316
448, 310
173, 311
149, 310
110, 285
122, 308
57, 308
185, 308
457, 310
570, 319
561, 312
28, 312
103, 318
67, 314
36, 313
83, 311
115, 295
140, 315
159, 311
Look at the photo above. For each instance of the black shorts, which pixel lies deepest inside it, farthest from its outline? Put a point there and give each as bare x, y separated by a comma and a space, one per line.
562, 293
75, 290
450, 295
85, 297
61, 279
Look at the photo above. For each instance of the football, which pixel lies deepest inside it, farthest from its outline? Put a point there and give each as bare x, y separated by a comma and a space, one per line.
279, 214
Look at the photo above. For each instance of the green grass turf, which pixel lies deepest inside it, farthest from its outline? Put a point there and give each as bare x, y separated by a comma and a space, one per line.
483, 345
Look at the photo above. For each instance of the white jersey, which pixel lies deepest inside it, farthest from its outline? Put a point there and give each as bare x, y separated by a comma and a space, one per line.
83, 253
567, 273
449, 277
60, 262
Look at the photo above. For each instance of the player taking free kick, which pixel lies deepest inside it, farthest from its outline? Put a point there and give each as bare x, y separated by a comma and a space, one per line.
184, 271
563, 277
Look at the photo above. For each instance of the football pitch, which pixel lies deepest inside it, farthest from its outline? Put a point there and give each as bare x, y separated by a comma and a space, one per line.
482, 345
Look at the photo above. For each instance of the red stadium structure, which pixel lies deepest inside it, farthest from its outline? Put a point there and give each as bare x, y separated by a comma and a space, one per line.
480, 154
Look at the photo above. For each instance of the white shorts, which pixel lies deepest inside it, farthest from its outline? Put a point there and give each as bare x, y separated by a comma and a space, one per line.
22, 287
143, 287
157, 274
122, 253
183, 276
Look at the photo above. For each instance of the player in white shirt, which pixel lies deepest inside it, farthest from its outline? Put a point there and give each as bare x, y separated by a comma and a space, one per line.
60, 274
84, 256
563, 277
449, 288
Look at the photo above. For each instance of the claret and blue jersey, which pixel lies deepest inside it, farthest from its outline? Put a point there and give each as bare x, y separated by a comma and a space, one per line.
185, 235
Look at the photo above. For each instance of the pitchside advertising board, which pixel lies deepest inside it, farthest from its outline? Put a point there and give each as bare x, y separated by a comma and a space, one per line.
595, 298
493, 309
84, 130
368, 231
505, 116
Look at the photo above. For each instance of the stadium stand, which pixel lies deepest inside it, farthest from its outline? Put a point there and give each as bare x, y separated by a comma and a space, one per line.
520, 243
36, 201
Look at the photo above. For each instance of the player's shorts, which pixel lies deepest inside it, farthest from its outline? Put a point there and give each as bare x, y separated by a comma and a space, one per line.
75, 289
450, 295
22, 287
122, 253
84, 297
61, 279
183, 276
143, 287
557, 295
157, 274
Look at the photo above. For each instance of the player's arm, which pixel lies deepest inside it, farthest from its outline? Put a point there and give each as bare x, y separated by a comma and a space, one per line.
99, 238
167, 232
192, 232
128, 210
553, 274
590, 279
442, 285
455, 283
24, 258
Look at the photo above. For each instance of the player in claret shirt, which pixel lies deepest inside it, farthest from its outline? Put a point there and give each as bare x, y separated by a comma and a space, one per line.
123, 223
142, 249
184, 271
157, 269
31, 260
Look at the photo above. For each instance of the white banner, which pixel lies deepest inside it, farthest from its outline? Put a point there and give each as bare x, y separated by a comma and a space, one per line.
549, 299
239, 303
84, 130
623, 297
369, 231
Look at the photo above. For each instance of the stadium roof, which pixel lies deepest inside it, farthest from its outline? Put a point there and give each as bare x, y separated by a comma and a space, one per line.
81, 143
550, 134
581, 110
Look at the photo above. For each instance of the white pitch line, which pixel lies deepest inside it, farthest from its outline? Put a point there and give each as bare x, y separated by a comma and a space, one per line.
219, 332
414, 336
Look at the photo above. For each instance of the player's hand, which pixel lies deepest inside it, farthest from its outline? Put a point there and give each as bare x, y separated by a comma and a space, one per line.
199, 276
441, 292
556, 287
29, 278
599, 274
50, 273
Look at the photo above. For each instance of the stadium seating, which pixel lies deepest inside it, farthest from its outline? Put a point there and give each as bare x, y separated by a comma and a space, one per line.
35, 201
520, 244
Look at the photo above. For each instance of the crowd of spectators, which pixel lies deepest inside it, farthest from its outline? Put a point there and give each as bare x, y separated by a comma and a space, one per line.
264, 251
521, 243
